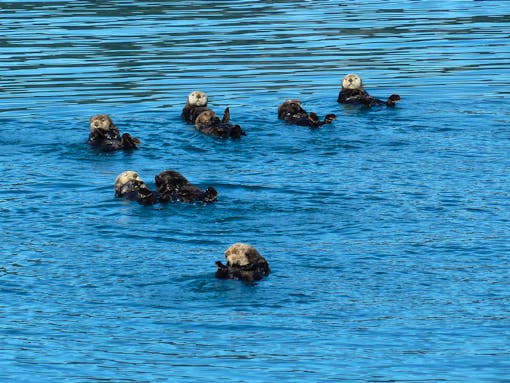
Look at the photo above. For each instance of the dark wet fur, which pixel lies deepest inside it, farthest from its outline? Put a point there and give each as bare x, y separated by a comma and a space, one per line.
251, 272
138, 191
293, 113
361, 97
190, 113
173, 186
111, 140
221, 128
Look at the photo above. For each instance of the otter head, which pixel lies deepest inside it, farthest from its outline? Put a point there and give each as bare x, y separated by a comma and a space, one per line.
241, 254
243, 262
206, 118
352, 81
294, 106
126, 182
197, 98
290, 108
101, 122
170, 181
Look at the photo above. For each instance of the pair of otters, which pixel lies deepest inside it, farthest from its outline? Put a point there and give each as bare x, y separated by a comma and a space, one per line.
352, 92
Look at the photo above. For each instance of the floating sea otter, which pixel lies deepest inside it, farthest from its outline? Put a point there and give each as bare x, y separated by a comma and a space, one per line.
208, 123
353, 93
292, 112
105, 136
173, 186
243, 262
196, 103
130, 186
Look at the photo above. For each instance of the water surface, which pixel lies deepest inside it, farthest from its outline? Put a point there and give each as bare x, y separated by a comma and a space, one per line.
386, 231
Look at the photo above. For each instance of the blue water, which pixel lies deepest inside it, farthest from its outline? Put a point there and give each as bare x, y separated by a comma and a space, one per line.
387, 232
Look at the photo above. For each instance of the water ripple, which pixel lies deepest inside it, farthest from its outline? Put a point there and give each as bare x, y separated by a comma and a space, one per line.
386, 231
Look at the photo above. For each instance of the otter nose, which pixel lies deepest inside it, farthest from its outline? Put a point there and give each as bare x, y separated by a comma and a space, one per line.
350, 80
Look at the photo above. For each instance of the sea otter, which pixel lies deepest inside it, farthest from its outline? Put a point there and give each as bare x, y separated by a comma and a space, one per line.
173, 186
196, 103
208, 123
292, 112
129, 185
243, 262
104, 135
353, 93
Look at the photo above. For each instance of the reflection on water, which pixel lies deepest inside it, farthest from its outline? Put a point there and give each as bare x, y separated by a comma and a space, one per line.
90, 52
386, 231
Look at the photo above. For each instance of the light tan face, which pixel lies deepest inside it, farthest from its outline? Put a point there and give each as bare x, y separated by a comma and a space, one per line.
124, 177
352, 81
100, 121
205, 117
241, 254
197, 98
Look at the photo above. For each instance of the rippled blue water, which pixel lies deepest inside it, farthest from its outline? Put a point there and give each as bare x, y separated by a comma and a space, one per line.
387, 231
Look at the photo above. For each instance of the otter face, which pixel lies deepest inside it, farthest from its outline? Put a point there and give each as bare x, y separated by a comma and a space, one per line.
197, 98
352, 81
205, 118
240, 254
123, 181
293, 106
290, 108
243, 262
101, 122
